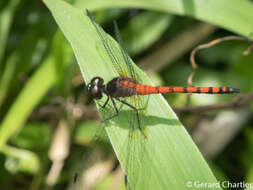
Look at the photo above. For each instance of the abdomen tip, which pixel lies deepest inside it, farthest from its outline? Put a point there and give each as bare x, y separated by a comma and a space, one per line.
234, 90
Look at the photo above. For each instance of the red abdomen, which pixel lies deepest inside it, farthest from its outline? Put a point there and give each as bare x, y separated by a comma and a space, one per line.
146, 89
125, 87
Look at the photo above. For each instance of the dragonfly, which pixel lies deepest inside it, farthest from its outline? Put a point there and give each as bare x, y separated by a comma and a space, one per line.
128, 89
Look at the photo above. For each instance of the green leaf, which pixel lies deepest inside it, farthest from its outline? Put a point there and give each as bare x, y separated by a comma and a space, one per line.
7, 76
144, 30
34, 91
21, 160
170, 157
5, 22
232, 15
29, 97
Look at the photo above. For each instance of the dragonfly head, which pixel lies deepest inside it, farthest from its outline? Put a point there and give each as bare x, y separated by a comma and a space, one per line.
95, 87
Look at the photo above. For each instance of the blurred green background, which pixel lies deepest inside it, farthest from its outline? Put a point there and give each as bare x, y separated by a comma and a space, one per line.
49, 121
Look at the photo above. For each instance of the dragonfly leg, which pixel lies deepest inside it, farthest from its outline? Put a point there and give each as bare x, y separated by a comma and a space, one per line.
75, 177
134, 108
115, 107
106, 102
126, 180
104, 105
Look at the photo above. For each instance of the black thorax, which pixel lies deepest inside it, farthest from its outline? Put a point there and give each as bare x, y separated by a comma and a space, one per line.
115, 88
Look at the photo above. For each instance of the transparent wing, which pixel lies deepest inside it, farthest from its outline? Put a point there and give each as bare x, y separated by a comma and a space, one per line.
108, 48
127, 61
136, 146
136, 142
137, 101
120, 60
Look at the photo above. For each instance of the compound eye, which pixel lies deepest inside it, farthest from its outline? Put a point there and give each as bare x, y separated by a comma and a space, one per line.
94, 88
89, 87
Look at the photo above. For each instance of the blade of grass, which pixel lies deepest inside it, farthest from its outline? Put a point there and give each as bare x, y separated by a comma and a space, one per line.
29, 97
33, 92
172, 156
7, 76
232, 15
5, 21
144, 30
21, 160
